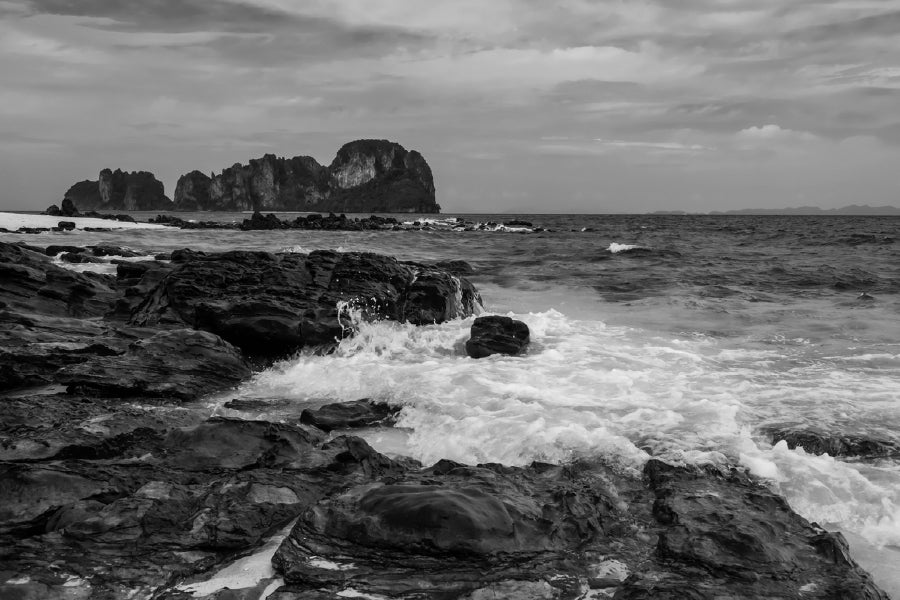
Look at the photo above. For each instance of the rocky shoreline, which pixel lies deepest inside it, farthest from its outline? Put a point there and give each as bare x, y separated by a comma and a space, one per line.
116, 482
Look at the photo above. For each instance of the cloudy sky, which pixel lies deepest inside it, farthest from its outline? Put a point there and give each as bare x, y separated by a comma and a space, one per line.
528, 105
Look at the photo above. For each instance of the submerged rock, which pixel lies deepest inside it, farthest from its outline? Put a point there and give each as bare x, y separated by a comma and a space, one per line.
495, 334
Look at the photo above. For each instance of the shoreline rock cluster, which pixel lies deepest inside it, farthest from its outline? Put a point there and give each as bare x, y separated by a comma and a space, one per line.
333, 222
115, 482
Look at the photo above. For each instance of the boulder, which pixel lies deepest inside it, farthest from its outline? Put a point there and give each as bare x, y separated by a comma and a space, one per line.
497, 335
348, 415
270, 305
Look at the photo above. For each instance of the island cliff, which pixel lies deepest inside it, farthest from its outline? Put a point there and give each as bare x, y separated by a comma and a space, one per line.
120, 190
365, 176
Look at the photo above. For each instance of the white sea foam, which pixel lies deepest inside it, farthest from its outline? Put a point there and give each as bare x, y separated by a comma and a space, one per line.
13, 221
105, 266
616, 247
586, 388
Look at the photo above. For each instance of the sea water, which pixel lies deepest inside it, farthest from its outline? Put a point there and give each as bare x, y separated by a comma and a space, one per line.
676, 337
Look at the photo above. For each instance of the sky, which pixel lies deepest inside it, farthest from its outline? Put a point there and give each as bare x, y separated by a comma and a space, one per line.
517, 105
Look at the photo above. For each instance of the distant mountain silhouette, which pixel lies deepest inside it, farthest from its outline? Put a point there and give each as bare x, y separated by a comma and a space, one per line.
853, 209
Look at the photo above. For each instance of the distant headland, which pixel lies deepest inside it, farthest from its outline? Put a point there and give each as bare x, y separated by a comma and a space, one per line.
365, 176
853, 209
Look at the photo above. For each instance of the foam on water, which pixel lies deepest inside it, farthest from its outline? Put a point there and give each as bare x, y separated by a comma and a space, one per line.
587, 388
615, 247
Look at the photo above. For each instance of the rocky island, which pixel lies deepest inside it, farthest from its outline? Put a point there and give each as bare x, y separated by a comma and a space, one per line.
119, 190
365, 176
115, 480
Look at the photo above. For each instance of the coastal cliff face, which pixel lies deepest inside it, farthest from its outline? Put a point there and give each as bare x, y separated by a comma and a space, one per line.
120, 190
365, 176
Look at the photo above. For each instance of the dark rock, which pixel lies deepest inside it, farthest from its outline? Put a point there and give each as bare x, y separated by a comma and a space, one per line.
365, 176
175, 502
835, 444
551, 531
258, 221
456, 267
446, 532
32, 284
348, 415
271, 305
53, 210
66, 225
78, 257
497, 335
53, 250
69, 209
735, 530
117, 190
104, 250
185, 255
180, 363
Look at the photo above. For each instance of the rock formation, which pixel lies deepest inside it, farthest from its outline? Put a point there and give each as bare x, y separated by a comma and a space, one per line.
120, 190
270, 305
115, 483
365, 176
495, 334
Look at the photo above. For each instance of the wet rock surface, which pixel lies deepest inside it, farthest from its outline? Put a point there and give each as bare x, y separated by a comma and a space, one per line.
115, 482
271, 305
546, 531
835, 444
349, 415
496, 334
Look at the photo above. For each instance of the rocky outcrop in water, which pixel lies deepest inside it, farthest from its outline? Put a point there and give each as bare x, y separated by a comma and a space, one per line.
119, 190
271, 305
495, 334
365, 176
817, 441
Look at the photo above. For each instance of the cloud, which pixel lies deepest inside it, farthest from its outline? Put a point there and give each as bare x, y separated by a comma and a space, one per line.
664, 146
634, 94
773, 132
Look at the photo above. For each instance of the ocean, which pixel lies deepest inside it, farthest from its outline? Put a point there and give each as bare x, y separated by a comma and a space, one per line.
682, 337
